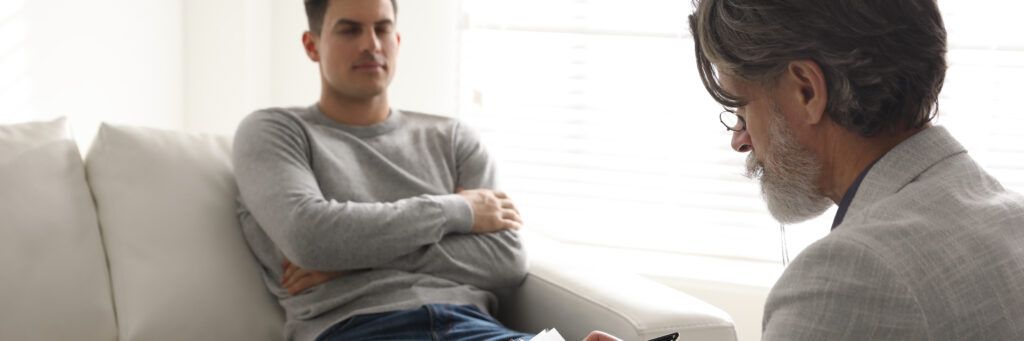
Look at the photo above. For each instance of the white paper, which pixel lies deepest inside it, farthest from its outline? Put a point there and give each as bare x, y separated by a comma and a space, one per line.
548, 335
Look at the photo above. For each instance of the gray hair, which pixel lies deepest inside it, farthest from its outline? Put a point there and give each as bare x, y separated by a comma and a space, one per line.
884, 60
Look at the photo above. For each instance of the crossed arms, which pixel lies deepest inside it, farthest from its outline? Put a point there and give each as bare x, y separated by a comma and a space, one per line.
468, 237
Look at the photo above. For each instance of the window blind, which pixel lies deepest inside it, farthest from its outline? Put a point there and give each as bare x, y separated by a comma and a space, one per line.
604, 134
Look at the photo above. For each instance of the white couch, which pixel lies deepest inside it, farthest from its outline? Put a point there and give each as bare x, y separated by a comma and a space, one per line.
140, 242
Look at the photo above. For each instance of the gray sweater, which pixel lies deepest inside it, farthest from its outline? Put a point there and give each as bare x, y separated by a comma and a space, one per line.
375, 202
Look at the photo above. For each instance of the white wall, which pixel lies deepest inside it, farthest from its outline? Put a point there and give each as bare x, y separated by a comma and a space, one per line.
228, 61
103, 60
427, 78
197, 65
296, 78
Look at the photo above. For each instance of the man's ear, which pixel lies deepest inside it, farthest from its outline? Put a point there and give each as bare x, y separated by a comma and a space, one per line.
806, 77
309, 43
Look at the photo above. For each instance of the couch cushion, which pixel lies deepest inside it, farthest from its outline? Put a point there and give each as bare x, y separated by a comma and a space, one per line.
52, 267
179, 265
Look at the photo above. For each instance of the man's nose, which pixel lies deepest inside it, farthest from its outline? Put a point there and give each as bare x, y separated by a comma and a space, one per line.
741, 141
370, 41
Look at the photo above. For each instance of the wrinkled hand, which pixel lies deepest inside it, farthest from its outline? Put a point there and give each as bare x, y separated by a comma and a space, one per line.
297, 279
492, 210
600, 336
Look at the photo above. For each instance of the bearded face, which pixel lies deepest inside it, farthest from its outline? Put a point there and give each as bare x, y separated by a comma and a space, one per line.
788, 173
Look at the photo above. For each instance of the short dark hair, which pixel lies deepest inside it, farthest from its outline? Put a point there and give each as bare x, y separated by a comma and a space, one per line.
884, 60
316, 9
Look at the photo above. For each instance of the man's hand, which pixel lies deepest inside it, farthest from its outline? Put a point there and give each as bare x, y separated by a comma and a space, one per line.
600, 336
492, 210
297, 279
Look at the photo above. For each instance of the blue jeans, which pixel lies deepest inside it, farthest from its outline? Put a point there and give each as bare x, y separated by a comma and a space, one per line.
432, 322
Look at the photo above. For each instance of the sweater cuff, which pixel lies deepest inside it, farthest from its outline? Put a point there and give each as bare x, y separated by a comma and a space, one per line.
458, 215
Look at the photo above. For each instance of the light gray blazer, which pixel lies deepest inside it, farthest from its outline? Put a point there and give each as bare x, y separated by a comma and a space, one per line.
932, 248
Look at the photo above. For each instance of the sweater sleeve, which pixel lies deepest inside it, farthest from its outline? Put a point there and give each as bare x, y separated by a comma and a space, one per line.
487, 261
473, 165
838, 289
277, 185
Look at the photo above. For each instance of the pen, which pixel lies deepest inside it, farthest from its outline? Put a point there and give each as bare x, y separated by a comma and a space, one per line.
669, 337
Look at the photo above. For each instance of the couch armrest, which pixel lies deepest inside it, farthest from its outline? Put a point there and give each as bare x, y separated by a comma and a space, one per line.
576, 300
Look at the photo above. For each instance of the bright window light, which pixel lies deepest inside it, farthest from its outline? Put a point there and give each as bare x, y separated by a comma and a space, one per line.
605, 135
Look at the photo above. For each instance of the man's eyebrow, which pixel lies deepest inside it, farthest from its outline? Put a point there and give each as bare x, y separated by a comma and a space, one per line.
349, 22
346, 22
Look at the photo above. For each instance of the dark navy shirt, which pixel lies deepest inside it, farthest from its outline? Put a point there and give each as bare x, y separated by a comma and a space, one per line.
844, 204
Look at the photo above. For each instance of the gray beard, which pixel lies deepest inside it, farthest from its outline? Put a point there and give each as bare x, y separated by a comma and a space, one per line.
787, 176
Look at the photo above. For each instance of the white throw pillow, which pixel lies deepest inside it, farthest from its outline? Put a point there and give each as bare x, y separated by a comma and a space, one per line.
54, 283
180, 267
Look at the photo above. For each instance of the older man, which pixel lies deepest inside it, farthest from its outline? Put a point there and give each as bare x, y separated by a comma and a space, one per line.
833, 99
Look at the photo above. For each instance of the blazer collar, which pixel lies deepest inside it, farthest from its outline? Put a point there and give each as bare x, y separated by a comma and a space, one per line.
903, 164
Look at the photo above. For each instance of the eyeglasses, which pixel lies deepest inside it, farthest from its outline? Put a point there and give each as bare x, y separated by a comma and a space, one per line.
731, 121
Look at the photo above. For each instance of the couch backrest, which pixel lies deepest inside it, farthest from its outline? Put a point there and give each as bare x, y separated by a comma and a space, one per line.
180, 268
54, 283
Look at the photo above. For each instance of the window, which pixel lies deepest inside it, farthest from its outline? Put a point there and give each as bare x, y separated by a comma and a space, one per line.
605, 134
